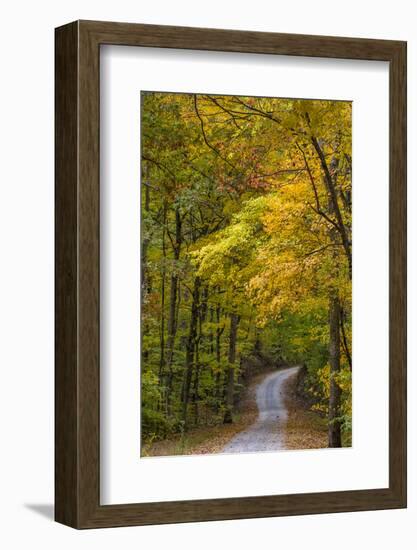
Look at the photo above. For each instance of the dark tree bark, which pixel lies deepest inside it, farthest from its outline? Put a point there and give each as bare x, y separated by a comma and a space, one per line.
218, 377
162, 327
344, 338
199, 342
210, 336
145, 283
230, 380
173, 301
335, 438
331, 189
145, 241
335, 392
219, 332
190, 348
196, 385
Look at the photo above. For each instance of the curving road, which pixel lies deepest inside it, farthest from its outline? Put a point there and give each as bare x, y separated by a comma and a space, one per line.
266, 434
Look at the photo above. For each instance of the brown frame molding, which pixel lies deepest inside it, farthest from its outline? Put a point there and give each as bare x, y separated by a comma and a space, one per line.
77, 274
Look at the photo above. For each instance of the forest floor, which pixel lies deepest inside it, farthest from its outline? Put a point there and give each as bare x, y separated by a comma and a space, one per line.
270, 395
305, 429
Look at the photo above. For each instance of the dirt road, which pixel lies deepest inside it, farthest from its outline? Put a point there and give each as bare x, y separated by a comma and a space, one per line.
267, 433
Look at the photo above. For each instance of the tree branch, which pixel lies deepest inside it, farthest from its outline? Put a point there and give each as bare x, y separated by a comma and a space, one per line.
160, 166
317, 250
318, 208
332, 192
344, 339
205, 137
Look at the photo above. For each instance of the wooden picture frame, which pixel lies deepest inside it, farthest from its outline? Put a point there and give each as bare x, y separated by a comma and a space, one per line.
77, 405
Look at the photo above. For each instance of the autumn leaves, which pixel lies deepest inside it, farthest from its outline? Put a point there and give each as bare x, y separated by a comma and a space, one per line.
246, 245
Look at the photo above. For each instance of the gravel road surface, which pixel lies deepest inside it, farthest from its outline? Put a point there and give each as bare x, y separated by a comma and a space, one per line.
267, 433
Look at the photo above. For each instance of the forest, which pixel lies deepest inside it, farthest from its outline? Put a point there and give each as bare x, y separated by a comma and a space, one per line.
246, 256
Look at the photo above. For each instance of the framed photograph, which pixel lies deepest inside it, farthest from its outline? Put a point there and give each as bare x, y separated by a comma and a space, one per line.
230, 274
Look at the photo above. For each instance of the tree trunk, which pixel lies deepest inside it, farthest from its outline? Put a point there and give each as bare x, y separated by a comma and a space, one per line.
218, 377
230, 380
199, 341
196, 385
211, 339
162, 326
344, 338
341, 227
145, 241
334, 425
335, 438
173, 298
189, 353
145, 284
